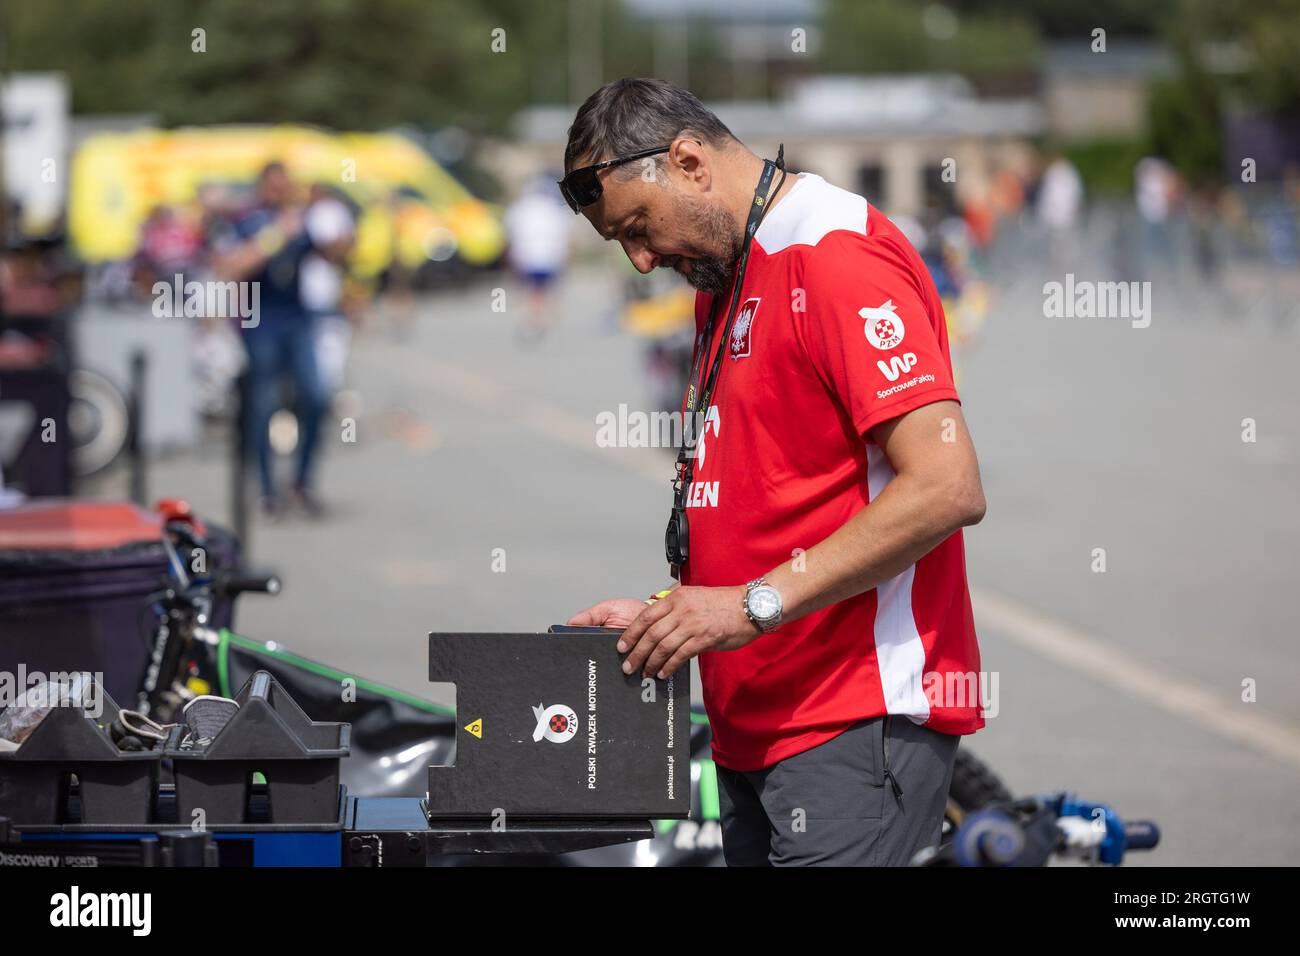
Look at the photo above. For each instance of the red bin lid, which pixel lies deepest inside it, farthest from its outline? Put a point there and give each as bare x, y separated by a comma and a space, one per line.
69, 525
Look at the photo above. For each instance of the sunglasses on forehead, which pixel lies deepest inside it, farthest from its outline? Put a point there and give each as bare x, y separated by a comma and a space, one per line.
582, 187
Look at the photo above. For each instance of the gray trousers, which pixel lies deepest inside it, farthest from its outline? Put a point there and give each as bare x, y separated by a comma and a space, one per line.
873, 796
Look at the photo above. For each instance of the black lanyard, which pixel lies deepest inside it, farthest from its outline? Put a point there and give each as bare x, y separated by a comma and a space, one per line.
699, 395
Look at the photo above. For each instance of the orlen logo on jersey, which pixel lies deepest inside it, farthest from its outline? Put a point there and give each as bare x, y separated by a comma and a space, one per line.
704, 494
898, 365
712, 420
884, 327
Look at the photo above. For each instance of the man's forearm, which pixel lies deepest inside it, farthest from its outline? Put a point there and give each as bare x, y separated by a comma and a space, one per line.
249, 257
902, 525
242, 262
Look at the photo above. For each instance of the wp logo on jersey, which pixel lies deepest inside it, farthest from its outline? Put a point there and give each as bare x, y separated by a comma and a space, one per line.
898, 365
883, 326
740, 329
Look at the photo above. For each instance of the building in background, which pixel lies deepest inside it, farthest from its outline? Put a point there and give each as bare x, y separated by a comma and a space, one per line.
1089, 95
886, 137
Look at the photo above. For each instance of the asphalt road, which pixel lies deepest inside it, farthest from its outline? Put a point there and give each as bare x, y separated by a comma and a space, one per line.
1124, 685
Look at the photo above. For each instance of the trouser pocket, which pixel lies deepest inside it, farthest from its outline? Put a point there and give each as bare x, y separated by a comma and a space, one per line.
887, 770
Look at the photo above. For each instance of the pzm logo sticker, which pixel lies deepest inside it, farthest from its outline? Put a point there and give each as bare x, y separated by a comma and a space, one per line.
556, 723
898, 365
882, 326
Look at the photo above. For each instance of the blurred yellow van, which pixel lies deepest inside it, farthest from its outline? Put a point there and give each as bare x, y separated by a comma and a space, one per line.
412, 210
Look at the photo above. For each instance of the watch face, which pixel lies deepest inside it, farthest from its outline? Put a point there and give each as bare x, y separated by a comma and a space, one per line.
764, 603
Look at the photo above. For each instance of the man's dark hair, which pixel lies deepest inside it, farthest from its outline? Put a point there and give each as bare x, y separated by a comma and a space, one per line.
635, 113
274, 166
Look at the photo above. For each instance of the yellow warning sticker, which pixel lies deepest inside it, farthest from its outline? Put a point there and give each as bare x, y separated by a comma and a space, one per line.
476, 728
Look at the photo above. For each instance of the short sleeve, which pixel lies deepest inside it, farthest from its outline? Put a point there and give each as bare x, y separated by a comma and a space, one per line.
868, 330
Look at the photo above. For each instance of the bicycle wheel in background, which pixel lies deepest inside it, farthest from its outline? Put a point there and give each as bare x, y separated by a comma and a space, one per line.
99, 421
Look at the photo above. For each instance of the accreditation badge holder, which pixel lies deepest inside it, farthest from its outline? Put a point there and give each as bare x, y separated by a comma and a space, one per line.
548, 726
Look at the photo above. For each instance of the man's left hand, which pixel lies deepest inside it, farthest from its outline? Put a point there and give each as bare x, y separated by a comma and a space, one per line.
689, 621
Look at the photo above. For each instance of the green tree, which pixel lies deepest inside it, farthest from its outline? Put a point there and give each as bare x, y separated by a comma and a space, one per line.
886, 36
361, 64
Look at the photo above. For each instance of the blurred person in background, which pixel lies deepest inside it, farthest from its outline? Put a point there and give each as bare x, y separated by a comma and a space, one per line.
170, 245
217, 357
219, 209
1007, 198
38, 275
1282, 222
1156, 190
1206, 217
29, 283
331, 226
538, 236
268, 245
1281, 239
1060, 201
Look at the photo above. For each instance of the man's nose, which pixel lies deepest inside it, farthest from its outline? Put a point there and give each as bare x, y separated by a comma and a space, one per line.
640, 256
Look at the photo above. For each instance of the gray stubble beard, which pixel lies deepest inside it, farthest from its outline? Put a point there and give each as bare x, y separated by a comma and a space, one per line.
711, 273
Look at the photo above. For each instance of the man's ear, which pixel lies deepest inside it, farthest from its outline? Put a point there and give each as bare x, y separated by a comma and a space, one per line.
691, 161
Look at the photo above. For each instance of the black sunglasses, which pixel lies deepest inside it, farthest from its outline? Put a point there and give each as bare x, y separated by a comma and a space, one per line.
582, 186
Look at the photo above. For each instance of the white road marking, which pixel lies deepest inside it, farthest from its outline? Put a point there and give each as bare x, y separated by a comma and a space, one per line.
546, 418
1107, 664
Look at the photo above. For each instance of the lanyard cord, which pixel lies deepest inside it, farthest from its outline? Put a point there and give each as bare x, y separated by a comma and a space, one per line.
699, 398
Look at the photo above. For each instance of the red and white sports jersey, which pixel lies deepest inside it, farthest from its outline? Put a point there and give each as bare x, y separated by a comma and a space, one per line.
840, 329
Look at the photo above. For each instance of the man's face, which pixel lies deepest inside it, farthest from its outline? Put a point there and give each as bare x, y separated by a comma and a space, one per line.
667, 218
274, 187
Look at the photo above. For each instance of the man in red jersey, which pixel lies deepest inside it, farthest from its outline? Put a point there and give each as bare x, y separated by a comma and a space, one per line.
816, 529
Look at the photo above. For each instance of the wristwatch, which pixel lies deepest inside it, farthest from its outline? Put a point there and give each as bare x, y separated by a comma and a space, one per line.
763, 605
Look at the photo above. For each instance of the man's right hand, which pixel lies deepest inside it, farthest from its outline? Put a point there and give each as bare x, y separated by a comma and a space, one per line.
616, 612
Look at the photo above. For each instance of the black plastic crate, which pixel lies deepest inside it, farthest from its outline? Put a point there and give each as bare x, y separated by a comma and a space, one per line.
269, 735
114, 786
